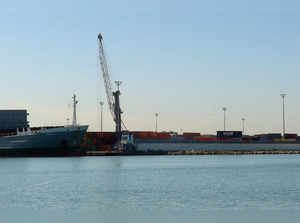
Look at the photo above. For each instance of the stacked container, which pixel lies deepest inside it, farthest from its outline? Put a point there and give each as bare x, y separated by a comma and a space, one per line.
290, 137
151, 135
229, 135
274, 137
100, 140
205, 138
191, 135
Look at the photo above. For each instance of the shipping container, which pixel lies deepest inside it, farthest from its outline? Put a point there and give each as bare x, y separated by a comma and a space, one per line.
237, 139
274, 135
247, 138
191, 135
290, 136
255, 138
263, 139
201, 138
163, 135
229, 134
98, 139
290, 140
261, 135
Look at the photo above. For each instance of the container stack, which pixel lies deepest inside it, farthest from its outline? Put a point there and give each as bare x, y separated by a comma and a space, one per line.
102, 141
191, 135
290, 137
274, 137
206, 138
235, 136
151, 135
198, 137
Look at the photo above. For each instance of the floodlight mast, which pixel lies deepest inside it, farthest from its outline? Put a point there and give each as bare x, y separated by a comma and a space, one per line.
224, 109
283, 114
101, 116
156, 117
243, 124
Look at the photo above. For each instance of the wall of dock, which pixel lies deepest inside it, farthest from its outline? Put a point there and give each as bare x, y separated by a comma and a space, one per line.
172, 147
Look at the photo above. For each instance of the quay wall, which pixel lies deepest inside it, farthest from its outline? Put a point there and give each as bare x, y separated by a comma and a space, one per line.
173, 147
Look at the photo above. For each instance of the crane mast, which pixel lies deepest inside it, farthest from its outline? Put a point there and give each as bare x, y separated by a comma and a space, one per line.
113, 97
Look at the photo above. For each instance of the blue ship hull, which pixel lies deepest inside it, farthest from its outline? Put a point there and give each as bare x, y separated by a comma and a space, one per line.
61, 141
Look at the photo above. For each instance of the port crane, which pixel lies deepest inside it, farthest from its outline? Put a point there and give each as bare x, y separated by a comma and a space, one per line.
113, 97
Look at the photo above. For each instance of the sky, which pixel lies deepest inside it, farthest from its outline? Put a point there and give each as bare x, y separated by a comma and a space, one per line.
182, 59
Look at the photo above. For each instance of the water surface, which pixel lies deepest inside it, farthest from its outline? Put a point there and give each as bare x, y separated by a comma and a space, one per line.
152, 184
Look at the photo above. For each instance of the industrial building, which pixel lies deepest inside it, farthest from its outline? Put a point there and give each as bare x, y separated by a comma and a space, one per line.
13, 119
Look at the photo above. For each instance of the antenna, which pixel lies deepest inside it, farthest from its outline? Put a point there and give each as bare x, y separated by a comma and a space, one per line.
75, 102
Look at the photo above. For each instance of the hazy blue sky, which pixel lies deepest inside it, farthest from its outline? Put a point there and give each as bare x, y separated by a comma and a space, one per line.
183, 59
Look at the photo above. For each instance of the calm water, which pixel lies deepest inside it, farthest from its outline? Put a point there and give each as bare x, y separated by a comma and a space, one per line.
152, 184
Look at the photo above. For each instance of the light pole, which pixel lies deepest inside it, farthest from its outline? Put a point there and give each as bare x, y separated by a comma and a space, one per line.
243, 124
283, 114
156, 117
224, 109
101, 118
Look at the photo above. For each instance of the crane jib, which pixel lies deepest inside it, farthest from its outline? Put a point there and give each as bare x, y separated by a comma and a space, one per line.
112, 96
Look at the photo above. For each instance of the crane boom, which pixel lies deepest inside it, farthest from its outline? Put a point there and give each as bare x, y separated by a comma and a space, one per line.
106, 78
113, 97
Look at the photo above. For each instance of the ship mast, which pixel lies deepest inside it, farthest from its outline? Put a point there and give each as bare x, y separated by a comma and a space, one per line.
75, 102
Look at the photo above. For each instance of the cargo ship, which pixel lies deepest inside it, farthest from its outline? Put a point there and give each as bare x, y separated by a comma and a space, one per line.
17, 138
46, 141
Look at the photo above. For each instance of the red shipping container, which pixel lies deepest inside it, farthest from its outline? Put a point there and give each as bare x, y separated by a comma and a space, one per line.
190, 135
205, 138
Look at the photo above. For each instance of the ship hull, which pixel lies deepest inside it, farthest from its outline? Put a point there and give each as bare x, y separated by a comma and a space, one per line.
63, 141
42, 152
